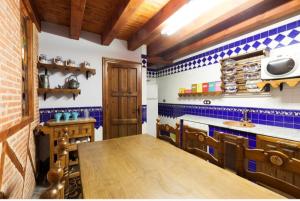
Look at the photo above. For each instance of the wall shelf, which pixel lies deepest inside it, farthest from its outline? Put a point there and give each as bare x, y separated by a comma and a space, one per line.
67, 69
279, 83
43, 91
213, 93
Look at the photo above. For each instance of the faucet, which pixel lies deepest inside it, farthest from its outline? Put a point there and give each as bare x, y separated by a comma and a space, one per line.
245, 118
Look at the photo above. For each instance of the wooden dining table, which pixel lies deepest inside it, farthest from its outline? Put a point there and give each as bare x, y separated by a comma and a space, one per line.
142, 166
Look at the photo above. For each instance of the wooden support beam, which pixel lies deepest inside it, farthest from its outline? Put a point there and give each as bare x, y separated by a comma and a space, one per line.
32, 12
153, 27
158, 60
77, 12
119, 19
208, 20
284, 11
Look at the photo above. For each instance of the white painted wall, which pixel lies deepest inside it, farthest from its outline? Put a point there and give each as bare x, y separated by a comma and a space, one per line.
169, 85
54, 41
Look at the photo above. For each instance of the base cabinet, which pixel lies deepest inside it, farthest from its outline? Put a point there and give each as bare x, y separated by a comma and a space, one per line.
290, 148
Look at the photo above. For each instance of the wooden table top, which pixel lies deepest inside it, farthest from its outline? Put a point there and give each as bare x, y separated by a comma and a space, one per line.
142, 166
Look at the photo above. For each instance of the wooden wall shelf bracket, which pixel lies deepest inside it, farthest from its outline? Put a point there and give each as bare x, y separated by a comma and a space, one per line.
279, 83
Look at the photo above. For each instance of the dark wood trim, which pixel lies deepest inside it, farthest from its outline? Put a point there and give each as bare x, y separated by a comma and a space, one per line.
14, 129
14, 159
152, 28
119, 19
158, 60
105, 62
77, 12
32, 12
271, 16
4, 144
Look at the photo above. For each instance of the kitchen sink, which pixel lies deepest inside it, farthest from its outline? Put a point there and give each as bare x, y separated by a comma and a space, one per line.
239, 124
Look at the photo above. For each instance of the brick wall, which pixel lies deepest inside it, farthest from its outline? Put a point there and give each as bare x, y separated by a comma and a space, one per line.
17, 158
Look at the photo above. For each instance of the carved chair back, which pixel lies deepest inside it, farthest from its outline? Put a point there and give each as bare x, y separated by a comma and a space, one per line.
164, 131
197, 142
276, 159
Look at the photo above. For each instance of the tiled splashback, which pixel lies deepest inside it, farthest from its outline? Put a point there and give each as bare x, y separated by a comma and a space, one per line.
95, 112
272, 117
281, 36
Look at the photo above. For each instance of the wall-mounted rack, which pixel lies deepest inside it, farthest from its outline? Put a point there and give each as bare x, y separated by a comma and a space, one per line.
66, 69
44, 92
213, 93
241, 74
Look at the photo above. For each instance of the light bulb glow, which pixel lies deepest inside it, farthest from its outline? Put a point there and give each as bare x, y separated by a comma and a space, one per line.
186, 14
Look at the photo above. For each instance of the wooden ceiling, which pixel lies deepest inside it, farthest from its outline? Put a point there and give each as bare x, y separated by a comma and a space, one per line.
141, 21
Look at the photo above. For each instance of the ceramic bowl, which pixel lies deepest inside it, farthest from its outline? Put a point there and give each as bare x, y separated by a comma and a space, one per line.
75, 115
57, 116
67, 115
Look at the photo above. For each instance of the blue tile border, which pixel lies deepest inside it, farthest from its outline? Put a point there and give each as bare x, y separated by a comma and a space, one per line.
95, 112
284, 35
271, 117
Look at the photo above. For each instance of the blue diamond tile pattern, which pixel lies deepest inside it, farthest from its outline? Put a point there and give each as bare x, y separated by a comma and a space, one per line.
281, 36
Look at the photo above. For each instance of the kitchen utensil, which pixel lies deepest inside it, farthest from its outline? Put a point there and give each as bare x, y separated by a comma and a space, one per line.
75, 115
70, 62
58, 60
67, 116
71, 82
43, 58
57, 116
85, 64
229, 62
44, 81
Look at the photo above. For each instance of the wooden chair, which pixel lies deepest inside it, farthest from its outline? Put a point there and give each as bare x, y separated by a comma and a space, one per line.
160, 128
58, 176
276, 159
196, 141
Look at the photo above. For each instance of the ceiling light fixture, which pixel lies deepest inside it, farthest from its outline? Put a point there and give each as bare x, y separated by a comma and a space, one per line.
186, 14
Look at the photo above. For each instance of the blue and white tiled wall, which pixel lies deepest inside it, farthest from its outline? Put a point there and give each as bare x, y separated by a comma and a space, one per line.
281, 36
271, 117
95, 112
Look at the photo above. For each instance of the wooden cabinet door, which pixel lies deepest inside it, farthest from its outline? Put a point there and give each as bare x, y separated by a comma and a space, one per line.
290, 148
123, 99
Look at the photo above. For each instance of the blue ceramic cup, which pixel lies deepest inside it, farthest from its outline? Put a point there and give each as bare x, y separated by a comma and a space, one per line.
57, 116
75, 115
67, 115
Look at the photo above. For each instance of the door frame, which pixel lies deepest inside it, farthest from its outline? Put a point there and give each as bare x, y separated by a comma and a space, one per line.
105, 62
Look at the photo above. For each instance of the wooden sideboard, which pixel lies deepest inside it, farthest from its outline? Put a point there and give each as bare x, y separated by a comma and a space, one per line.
290, 148
78, 131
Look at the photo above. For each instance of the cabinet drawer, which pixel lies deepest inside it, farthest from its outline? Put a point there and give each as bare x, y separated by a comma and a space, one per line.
73, 131
58, 132
86, 129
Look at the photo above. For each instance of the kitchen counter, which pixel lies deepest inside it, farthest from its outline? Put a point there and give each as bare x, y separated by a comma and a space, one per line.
272, 131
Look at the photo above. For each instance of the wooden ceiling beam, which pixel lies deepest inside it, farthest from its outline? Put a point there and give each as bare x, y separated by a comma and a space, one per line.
76, 19
158, 60
152, 28
119, 19
209, 19
33, 14
279, 13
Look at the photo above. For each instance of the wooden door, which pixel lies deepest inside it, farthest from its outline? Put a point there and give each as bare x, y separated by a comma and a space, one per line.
122, 98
